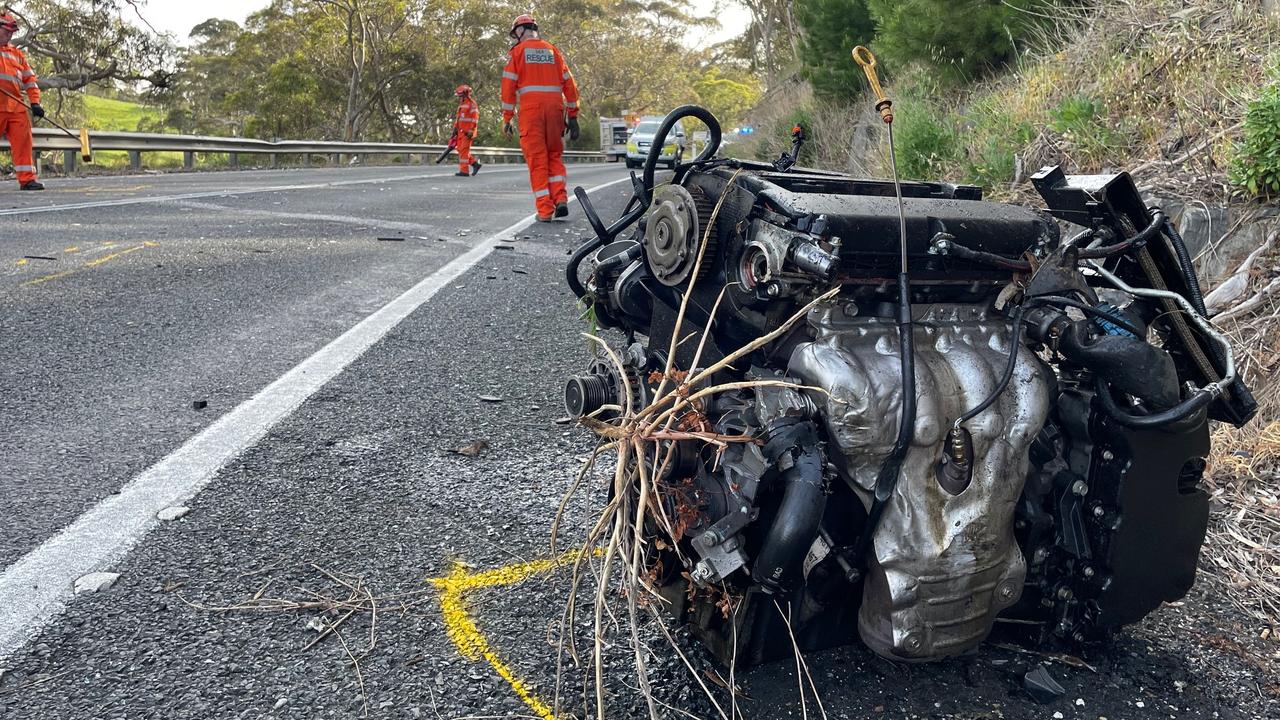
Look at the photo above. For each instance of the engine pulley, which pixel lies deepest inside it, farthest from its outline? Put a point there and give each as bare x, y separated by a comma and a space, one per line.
671, 236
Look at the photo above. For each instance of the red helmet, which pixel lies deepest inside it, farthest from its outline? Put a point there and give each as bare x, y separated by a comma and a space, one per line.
523, 20
9, 22
462, 91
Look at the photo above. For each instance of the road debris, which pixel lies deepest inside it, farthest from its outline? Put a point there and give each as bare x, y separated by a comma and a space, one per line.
1041, 686
491, 398
199, 404
173, 513
391, 239
471, 449
95, 582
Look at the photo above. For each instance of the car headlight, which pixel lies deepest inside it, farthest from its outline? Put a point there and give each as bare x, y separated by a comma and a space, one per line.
632, 147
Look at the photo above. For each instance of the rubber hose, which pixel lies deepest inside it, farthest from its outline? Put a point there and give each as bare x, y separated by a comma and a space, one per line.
1198, 401
800, 512
660, 140
1188, 267
1157, 221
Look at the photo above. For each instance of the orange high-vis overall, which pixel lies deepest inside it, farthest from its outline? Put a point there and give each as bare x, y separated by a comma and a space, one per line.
465, 123
538, 83
17, 79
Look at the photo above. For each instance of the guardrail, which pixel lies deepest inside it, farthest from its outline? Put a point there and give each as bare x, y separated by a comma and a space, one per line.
50, 140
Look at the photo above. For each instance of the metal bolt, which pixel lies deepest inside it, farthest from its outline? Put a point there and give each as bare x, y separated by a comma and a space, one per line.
1064, 593
1040, 555
1099, 511
1108, 455
1079, 487
1006, 592
913, 643
1078, 636
1088, 571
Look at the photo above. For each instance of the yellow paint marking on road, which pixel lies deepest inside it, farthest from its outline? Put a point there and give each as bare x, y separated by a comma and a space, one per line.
22, 262
73, 248
465, 633
91, 264
113, 256
47, 278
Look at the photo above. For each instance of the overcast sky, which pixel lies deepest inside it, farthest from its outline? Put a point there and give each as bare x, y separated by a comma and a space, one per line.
179, 16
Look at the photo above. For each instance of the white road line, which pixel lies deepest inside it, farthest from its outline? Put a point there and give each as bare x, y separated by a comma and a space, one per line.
229, 193
36, 589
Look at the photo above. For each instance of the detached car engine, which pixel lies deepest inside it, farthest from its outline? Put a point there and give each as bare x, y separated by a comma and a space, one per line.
1015, 431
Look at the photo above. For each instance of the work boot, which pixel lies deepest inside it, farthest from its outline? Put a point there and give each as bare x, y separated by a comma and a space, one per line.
31, 185
562, 210
462, 174
475, 166
545, 218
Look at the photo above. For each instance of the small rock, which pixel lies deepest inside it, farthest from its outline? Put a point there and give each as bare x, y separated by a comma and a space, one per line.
316, 624
1140, 704
173, 513
471, 449
1080, 702
1057, 715
281, 703
95, 582
563, 420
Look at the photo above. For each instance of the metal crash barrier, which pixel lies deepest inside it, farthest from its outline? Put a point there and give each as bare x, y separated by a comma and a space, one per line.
49, 140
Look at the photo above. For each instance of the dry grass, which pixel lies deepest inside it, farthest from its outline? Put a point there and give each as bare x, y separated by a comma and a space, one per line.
1243, 548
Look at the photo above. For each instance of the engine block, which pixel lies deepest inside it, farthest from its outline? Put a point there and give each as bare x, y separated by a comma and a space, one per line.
943, 565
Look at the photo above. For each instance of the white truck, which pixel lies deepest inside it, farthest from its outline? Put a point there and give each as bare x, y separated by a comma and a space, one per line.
613, 138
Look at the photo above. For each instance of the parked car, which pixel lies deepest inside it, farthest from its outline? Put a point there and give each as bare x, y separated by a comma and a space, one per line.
642, 137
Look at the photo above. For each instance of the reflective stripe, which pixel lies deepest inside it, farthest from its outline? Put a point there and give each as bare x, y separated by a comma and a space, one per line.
510, 75
14, 58
10, 78
541, 193
573, 105
538, 88
508, 106
24, 168
566, 75
556, 178
31, 85
27, 74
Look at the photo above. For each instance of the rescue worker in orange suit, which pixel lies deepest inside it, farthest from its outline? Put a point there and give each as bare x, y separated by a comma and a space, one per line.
465, 124
16, 80
538, 87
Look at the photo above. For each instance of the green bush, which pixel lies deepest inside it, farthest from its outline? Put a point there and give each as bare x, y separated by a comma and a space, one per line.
1082, 123
993, 140
925, 138
961, 39
1255, 162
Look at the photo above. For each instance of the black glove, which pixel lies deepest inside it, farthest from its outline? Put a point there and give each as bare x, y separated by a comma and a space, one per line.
37, 110
574, 130
506, 129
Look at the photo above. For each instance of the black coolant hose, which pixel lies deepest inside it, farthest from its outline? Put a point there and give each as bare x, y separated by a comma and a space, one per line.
781, 557
1188, 268
660, 140
643, 191
1183, 410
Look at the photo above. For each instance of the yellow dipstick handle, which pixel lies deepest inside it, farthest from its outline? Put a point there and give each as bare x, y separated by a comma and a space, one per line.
863, 57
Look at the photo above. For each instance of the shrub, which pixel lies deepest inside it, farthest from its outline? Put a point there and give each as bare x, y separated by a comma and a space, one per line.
925, 138
1255, 162
1084, 128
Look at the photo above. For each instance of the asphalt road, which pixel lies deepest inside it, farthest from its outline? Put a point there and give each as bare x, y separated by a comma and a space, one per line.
348, 492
